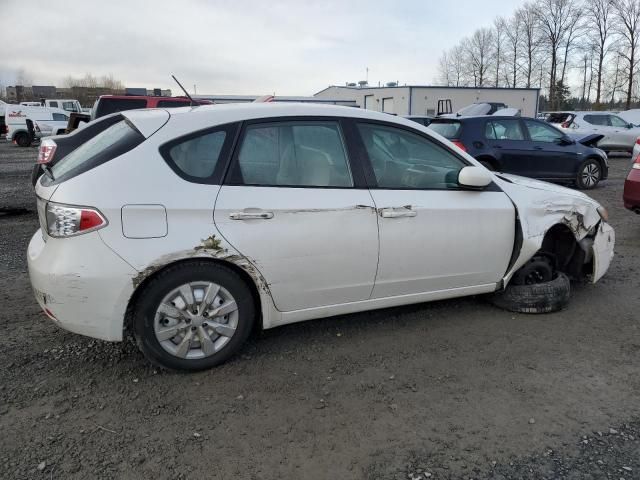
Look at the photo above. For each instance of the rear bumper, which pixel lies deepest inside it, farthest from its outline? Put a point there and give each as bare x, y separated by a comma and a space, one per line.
81, 284
631, 194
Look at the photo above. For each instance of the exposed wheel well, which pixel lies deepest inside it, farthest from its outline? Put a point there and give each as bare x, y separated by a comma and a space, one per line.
598, 159
561, 245
141, 287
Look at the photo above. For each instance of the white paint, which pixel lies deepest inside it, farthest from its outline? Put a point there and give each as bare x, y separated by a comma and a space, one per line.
144, 221
316, 256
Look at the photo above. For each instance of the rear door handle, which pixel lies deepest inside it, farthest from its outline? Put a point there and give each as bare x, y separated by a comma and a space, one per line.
397, 212
251, 215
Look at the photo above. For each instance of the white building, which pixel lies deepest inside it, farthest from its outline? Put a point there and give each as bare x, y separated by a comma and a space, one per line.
423, 100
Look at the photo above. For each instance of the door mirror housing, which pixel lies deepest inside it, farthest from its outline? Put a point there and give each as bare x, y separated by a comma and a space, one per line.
566, 140
474, 177
629, 125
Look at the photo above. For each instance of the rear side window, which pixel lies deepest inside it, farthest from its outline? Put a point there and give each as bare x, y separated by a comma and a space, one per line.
198, 157
110, 143
447, 129
53, 104
504, 130
112, 105
296, 154
172, 104
59, 117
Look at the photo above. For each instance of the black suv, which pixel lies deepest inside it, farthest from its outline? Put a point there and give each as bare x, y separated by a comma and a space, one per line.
527, 147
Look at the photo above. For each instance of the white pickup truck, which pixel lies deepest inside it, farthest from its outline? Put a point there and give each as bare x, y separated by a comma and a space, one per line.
67, 104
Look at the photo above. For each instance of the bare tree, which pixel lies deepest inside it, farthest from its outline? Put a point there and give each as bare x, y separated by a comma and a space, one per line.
555, 19
628, 15
444, 70
513, 36
530, 40
458, 66
478, 49
575, 28
599, 20
499, 31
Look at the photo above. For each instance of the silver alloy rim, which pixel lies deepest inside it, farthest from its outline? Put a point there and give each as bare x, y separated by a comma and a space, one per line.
590, 175
196, 320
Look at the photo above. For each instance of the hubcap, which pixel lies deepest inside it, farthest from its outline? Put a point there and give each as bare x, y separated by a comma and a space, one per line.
196, 320
590, 174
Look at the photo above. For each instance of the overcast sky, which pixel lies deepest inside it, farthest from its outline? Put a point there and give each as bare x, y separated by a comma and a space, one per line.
236, 47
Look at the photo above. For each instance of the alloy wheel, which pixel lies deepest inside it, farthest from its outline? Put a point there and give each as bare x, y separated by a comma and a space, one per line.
196, 320
590, 175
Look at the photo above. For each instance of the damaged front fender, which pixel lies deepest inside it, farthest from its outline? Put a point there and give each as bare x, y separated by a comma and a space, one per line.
541, 206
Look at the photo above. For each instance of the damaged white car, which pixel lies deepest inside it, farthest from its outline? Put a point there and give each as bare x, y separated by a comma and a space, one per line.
192, 226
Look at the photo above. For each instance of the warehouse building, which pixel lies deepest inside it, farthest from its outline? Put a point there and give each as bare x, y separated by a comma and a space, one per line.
423, 100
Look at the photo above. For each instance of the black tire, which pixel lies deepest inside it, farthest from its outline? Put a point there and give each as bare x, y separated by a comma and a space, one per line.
487, 164
173, 277
589, 174
22, 139
544, 297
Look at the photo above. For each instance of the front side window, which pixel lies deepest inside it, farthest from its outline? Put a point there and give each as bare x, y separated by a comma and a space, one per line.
69, 106
59, 117
539, 132
197, 157
504, 130
53, 104
401, 159
296, 154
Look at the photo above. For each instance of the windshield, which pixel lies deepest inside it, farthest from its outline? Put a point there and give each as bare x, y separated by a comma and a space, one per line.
106, 145
446, 129
474, 109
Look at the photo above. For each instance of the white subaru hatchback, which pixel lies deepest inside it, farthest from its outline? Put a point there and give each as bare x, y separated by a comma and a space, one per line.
190, 227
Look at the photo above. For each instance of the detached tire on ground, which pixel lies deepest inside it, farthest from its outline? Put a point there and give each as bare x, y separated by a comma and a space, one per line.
544, 297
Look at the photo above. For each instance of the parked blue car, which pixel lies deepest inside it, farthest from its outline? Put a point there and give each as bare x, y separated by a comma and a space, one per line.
527, 147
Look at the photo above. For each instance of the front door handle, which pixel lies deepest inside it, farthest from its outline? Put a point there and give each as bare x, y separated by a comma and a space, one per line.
397, 212
537, 147
251, 215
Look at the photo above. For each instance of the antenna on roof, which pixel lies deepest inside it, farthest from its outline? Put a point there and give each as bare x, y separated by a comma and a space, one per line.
183, 89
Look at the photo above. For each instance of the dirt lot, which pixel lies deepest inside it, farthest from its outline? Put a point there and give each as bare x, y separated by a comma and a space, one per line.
454, 389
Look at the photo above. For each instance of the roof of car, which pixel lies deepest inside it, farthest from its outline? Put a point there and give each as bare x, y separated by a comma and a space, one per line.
477, 117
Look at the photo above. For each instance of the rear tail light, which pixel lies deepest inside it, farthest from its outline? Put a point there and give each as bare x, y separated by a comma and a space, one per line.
459, 144
69, 220
47, 150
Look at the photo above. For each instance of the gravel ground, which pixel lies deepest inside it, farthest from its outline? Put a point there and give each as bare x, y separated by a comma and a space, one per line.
453, 389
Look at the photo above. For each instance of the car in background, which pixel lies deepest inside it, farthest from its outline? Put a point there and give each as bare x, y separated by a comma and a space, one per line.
527, 147
618, 134
107, 104
424, 120
193, 226
17, 128
631, 195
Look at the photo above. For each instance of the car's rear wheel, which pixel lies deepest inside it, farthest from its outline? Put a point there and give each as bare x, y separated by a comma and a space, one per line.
589, 174
535, 288
22, 139
193, 316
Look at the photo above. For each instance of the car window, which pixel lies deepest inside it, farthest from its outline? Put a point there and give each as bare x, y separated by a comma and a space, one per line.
112, 105
601, 120
540, 132
53, 104
59, 117
172, 104
617, 121
503, 130
297, 154
198, 157
401, 159
69, 106
447, 129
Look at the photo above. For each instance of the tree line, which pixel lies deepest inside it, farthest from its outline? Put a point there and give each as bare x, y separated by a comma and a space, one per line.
581, 53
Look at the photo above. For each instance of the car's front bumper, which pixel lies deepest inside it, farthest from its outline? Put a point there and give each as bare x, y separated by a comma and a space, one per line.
603, 245
81, 284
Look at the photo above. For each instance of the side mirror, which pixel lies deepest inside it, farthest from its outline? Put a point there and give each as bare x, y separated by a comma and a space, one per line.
565, 141
630, 125
474, 177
